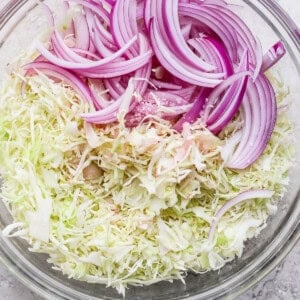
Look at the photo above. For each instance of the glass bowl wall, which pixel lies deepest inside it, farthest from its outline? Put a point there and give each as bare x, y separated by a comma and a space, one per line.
20, 22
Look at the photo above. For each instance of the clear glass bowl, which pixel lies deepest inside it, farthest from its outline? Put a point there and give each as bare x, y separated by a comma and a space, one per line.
20, 22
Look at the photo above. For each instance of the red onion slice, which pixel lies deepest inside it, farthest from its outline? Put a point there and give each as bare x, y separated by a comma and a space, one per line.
165, 85
259, 118
124, 24
109, 113
101, 46
87, 54
82, 36
186, 30
106, 37
212, 50
64, 51
90, 23
53, 71
194, 113
142, 75
98, 9
167, 98
98, 93
213, 22
175, 66
114, 87
87, 65
230, 103
185, 93
119, 68
120, 32
140, 10
273, 55
171, 20
245, 36
248, 195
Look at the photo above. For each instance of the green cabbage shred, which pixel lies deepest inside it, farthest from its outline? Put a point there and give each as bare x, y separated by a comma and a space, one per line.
121, 206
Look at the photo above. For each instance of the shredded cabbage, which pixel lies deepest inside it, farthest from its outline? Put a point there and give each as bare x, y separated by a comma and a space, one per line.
122, 206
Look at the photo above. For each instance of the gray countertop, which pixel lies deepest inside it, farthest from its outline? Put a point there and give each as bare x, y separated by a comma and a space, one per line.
281, 284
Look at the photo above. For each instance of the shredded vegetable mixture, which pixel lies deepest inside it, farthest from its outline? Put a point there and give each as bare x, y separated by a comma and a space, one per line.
122, 206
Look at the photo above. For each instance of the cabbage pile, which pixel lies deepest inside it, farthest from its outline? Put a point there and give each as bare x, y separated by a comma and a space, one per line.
117, 205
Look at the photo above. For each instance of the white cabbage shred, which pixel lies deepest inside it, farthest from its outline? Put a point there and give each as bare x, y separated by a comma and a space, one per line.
125, 206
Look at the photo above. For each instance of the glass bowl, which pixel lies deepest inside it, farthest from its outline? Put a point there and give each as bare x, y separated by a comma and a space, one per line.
20, 22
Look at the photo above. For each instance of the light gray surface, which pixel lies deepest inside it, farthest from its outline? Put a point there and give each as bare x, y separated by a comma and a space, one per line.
282, 284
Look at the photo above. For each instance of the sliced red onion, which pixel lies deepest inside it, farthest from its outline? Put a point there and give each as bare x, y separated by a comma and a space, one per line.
116, 69
137, 84
171, 20
218, 90
185, 93
105, 36
114, 87
88, 66
82, 35
165, 85
109, 3
194, 113
186, 30
103, 39
274, 54
141, 79
64, 51
171, 42
204, 51
142, 75
98, 9
211, 20
174, 111
86, 54
166, 52
259, 118
245, 36
115, 31
101, 46
91, 24
140, 10
57, 51
132, 16
166, 98
99, 93
59, 18
214, 2
149, 10
109, 114
230, 102
259, 59
54, 71
248, 195
119, 68
236, 143
124, 24
265, 91
213, 51
175, 66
